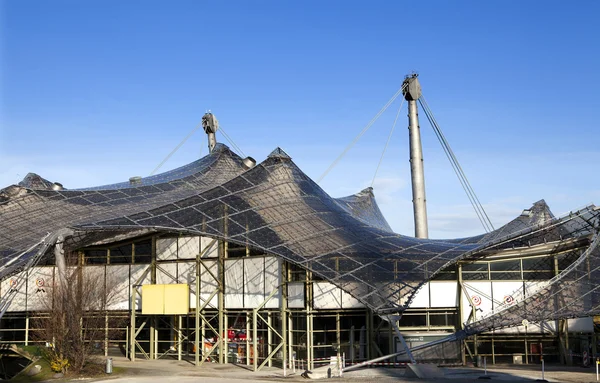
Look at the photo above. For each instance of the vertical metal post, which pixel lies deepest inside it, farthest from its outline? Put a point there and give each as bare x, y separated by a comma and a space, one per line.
225, 337
27, 329
203, 336
284, 319
155, 357
309, 341
391, 342
485, 365
152, 337
222, 255
543, 368
255, 339
594, 342
269, 338
369, 328
463, 353
247, 339
106, 334
291, 341
309, 333
566, 329
179, 336
197, 338
221, 336
132, 325
412, 92
127, 342
153, 324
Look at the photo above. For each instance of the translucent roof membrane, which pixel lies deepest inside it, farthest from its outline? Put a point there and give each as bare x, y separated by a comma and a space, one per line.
274, 207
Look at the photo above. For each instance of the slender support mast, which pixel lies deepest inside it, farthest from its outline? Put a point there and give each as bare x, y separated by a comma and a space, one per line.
412, 92
210, 125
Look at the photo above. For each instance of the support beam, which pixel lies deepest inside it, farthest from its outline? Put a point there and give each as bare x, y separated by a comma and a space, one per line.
393, 320
412, 92
198, 338
450, 338
283, 321
221, 314
270, 330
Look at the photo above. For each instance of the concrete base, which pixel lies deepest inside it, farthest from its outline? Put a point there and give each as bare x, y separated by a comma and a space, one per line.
324, 372
423, 371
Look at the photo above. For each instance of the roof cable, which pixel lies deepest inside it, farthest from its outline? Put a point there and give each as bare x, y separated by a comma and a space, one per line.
477, 206
176, 148
365, 129
237, 148
387, 143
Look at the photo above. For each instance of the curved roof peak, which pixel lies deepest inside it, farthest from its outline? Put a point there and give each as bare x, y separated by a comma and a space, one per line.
35, 181
365, 192
279, 153
363, 206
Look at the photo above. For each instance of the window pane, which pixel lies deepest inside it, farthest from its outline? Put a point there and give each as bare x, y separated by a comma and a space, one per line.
537, 275
443, 319
121, 254
506, 266
507, 275
475, 267
535, 264
95, 257
409, 320
143, 251
475, 276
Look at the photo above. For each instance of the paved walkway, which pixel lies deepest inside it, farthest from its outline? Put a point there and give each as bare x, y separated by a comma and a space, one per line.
168, 371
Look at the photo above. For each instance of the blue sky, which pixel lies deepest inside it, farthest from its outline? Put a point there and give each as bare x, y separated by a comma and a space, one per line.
93, 92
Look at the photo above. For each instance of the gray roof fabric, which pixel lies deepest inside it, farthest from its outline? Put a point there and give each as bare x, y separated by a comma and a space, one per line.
274, 207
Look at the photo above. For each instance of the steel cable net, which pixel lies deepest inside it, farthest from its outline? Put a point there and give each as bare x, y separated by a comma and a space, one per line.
273, 207
572, 293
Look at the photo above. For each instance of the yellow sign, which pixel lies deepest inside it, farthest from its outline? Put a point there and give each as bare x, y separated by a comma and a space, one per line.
165, 299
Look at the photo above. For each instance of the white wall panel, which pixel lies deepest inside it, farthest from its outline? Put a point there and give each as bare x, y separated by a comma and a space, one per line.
166, 249
136, 272
39, 288
349, 302
548, 327
189, 247
581, 324
208, 284
295, 292
94, 280
166, 274
443, 293
533, 287
187, 274
480, 293
422, 297
326, 296
117, 282
254, 282
19, 302
212, 251
506, 293
234, 283
272, 281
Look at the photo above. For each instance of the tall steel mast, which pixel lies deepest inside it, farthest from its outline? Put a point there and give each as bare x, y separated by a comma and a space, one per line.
210, 125
412, 92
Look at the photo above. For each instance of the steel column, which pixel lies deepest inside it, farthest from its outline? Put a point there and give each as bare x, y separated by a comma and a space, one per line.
412, 92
